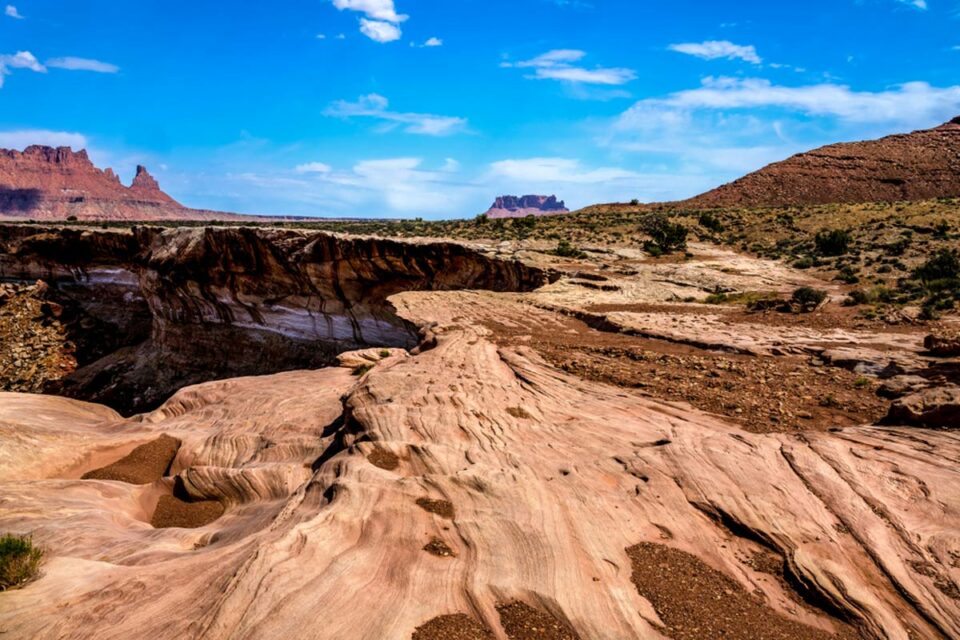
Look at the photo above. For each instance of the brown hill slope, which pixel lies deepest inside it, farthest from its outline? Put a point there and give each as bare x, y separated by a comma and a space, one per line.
914, 166
48, 183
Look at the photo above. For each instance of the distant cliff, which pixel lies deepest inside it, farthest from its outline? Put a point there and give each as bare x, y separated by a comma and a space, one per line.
47, 183
519, 207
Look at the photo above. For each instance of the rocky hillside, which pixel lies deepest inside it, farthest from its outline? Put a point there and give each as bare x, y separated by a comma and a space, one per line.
47, 183
522, 206
913, 166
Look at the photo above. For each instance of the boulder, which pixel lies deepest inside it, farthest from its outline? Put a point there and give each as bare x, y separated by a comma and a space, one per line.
933, 407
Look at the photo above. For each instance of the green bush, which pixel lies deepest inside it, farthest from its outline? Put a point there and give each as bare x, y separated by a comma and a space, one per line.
808, 298
19, 561
944, 266
666, 236
709, 221
566, 250
833, 242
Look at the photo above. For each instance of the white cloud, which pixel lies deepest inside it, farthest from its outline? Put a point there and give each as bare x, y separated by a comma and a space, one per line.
382, 21
82, 64
376, 106
918, 4
549, 170
321, 36
559, 65
314, 167
380, 31
377, 9
341, 36
433, 42
909, 102
714, 49
11, 12
22, 138
22, 60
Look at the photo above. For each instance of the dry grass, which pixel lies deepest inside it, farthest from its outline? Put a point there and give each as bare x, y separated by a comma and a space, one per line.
19, 561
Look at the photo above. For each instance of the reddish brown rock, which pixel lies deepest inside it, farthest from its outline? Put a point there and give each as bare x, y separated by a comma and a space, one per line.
48, 183
520, 207
944, 344
914, 166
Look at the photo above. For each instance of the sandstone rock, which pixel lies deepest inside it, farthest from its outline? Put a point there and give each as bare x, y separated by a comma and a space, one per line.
47, 183
914, 166
520, 207
933, 407
944, 343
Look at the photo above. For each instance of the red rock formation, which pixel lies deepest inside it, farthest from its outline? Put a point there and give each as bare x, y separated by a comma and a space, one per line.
519, 207
914, 166
47, 183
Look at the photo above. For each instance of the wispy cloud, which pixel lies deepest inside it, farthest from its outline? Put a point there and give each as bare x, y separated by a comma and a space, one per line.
433, 42
11, 12
313, 167
917, 4
560, 64
552, 170
382, 22
716, 49
82, 64
19, 60
22, 138
377, 107
908, 102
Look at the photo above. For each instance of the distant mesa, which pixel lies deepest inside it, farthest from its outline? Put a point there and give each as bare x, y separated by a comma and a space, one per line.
522, 206
913, 166
47, 183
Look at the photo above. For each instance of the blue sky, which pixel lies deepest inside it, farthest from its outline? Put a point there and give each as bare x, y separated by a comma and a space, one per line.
431, 108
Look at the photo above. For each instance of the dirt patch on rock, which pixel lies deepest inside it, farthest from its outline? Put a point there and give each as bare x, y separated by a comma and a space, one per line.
695, 601
458, 626
384, 459
438, 547
145, 464
523, 622
173, 512
762, 394
442, 508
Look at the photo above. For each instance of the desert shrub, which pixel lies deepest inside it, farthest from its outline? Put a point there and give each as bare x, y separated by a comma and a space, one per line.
808, 298
833, 242
848, 275
716, 298
941, 229
362, 369
897, 247
665, 236
566, 250
635, 202
481, 219
709, 221
944, 266
803, 263
19, 561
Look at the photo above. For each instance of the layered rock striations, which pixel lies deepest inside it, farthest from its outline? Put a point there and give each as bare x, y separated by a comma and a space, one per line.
181, 306
914, 166
473, 491
47, 183
519, 207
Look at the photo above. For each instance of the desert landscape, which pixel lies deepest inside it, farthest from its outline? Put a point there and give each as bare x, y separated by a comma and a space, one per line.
732, 415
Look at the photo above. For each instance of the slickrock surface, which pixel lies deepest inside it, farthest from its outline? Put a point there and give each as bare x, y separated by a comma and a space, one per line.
47, 183
553, 481
913, 166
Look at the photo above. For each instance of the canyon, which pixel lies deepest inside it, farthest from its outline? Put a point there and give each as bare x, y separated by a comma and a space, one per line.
450, 439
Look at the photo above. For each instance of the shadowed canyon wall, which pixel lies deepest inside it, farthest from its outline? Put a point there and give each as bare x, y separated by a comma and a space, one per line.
153, 310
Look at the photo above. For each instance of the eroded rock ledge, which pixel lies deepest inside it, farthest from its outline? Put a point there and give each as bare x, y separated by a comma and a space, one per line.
159, 309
